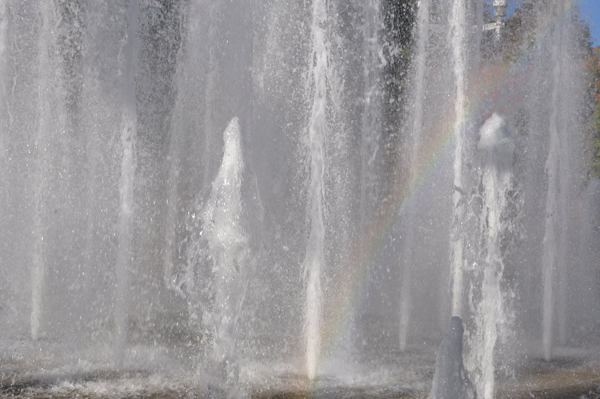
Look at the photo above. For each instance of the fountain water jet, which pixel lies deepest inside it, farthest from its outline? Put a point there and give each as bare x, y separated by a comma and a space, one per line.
411, 209
496, 148
46, 125
457, 38
555, 234
227, 219
126, 185
371, 118
317, 130
342, 134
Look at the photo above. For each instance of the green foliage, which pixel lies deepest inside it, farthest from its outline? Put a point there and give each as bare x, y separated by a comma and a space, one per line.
518, 37
518, 32
517, 40
594, 144
593, 105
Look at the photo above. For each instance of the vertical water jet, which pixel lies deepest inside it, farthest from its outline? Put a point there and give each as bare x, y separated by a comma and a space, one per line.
496, 148
555, 223
416, 132
192, 126
371, 121
478, 33
170, 276
323, 116
126, 184
41, 144
233, 209
316, 132
223, 247
457, 43
5, 115
211, 87
3, 89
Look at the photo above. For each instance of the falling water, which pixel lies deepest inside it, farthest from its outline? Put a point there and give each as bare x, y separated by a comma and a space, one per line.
3, 84
197, 92
126, 184
496, 148
171, 253
45, 48
231, 211
135, 220
317, 131
417, 127
4, 109
568, 177
371, 118
212, 75
478, 34
457, 39
554, 234
228, 243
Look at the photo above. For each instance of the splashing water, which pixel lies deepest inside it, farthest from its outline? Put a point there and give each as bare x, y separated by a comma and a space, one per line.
408, 258
231, 214
457, 38
496, 148
289, 195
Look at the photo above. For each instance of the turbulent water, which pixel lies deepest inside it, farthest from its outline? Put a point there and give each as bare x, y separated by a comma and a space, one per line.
496, 148
286, 195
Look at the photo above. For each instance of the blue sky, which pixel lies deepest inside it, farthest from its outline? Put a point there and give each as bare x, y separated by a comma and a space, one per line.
590, 12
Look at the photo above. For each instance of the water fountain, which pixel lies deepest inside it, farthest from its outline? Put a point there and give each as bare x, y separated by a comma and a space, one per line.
273, 197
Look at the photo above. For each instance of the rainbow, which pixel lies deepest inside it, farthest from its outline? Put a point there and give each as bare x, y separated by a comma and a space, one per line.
484, 96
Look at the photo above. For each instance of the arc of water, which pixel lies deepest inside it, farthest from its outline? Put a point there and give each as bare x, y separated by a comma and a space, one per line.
407, 255
457, 42
126, 185
317, 131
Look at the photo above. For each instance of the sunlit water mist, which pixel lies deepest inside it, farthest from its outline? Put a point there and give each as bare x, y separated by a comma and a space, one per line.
126, 184
496, 147
371, 118
557, 168
458, 45
258, 194
411, 209
317, 131
223, 231
38, 263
